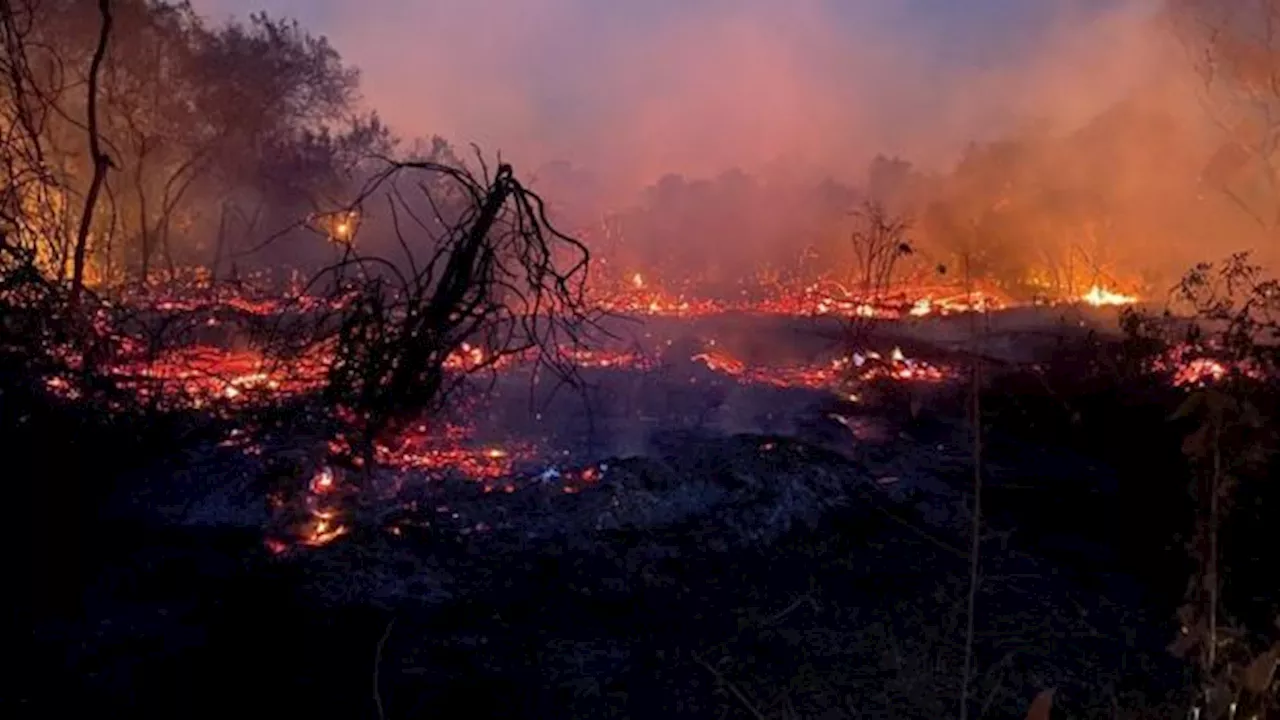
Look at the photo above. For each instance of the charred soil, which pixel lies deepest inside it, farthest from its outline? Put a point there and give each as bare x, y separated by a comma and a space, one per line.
710, 573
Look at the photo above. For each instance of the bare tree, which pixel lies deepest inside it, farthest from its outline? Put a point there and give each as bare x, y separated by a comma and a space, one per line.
1235, 49
33, 195
879, 241
482, 267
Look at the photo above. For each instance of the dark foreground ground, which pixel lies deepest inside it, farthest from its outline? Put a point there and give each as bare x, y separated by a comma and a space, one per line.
859, 614
722, 575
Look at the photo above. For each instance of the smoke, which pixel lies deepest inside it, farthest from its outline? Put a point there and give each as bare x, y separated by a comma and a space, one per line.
611, 96
634, 90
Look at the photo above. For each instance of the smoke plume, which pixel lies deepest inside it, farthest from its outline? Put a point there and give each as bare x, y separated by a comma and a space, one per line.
635, 90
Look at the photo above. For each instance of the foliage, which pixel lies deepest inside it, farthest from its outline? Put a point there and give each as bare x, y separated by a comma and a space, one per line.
1234, 311
196, 121
1229, 445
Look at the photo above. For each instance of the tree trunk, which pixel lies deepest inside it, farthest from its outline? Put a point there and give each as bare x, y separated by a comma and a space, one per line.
100, 160
219, 243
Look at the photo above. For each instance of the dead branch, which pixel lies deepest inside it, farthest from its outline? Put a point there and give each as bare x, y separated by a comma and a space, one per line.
879, 241
484, 278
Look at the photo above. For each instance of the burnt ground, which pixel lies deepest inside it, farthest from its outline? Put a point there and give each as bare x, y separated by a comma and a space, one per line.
793, 570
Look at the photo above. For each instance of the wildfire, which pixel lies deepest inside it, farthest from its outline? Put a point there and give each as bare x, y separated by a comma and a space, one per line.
862, 367
1190, 366
601, 358
824, 297
322, 511
435, 454
1099, 296
261, 294
324, 530
468, 357
340, 226
206, 376
202, 375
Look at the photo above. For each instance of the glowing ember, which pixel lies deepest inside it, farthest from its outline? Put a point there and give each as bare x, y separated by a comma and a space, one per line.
1191, 366
450, 450
322, 514
200, 376
862, 367
594, 358
466, 358
639, 295
324, 530
1200, 371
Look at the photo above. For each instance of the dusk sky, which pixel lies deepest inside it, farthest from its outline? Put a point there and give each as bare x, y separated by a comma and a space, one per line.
639, 88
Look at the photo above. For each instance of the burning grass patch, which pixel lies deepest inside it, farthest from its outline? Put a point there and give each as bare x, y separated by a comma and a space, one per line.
708, 563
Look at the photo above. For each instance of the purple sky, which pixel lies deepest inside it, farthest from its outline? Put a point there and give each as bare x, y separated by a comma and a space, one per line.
640, 87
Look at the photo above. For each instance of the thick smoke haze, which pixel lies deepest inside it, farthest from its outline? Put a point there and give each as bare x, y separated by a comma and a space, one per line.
633, 90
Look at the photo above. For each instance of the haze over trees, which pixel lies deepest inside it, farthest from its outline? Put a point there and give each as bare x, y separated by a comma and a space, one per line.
221, 134
284, 446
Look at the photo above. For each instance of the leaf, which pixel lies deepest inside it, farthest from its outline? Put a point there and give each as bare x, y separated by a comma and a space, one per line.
1042, 706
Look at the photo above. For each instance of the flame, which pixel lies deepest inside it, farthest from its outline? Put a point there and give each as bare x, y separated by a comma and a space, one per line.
863, 367
324, 531
1192, 366
212, 377
466, 358
342, 227
639, 296
1099, 296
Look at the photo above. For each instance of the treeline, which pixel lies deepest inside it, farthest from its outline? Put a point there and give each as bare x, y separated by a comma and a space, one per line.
1129, 200
720, 232
214, 135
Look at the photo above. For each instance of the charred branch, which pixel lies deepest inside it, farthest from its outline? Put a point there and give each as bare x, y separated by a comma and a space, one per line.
484, 277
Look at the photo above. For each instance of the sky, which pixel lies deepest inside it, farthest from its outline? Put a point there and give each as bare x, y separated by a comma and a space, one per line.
632, 89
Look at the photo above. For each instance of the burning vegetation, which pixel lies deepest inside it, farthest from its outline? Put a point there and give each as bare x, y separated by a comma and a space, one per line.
398, 377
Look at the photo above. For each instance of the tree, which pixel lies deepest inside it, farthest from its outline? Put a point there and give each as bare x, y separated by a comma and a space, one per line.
154, 123
38, 194
204, 126
101, 161
1235, 49
487, 269
277, 126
